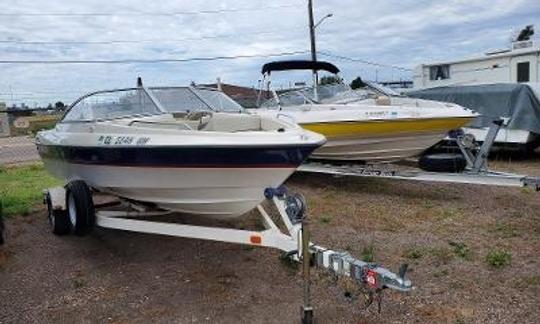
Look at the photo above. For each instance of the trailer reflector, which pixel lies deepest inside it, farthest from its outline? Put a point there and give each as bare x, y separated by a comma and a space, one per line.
255, 239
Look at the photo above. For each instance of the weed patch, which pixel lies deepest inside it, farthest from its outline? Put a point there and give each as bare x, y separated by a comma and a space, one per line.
461, 250
368, 253
413, 253
325, 219
499, 258
505, 230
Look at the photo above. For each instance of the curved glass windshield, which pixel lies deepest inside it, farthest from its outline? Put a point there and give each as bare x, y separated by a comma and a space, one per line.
113, 104
337, 93
186, 99
131, 102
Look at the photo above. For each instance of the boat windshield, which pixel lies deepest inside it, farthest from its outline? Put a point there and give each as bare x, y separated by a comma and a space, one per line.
186, 99
337, 93
112, 104
121, 103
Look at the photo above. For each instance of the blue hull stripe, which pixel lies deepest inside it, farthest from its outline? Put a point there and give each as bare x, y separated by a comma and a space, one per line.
181, 156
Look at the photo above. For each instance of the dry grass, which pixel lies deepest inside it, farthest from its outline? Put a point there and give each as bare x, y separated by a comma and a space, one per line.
466, 244
445, 232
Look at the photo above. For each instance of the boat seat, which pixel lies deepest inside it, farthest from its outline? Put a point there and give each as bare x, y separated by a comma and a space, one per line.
226, 122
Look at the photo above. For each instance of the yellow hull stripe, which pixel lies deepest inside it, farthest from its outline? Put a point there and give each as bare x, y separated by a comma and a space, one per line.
386, 127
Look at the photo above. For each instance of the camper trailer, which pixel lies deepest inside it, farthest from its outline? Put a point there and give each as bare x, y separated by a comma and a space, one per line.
503, 83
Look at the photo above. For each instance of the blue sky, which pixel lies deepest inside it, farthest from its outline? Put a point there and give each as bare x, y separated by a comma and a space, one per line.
390, 32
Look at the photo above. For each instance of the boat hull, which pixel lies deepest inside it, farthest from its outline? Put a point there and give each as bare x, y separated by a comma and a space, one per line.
213, 192
219, 181
377, 140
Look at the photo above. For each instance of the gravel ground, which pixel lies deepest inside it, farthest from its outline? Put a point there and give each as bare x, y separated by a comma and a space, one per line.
118, 277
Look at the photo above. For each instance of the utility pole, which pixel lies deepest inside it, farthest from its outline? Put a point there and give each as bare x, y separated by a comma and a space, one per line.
312, 31
313, 48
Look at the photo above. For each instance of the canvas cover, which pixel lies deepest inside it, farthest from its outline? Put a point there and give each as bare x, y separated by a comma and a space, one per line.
515, 101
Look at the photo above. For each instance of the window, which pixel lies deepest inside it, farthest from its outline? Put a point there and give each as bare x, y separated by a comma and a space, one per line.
180, 99
439, 72
218, 100
523, 69
114, 104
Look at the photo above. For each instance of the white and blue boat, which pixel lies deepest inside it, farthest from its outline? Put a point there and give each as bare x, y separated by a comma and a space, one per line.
183, 149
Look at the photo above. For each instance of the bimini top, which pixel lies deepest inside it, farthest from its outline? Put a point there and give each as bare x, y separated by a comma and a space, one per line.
299, 65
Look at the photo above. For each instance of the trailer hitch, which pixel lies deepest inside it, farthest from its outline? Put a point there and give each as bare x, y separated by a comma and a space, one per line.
373, 291
372, 277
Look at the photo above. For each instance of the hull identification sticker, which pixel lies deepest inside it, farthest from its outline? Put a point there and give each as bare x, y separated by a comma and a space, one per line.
122, 140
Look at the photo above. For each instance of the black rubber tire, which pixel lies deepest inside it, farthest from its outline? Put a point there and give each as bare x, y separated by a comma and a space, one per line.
58, 219
443, 162
83, 206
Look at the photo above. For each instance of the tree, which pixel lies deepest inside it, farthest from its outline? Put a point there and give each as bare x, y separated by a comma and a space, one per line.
59, 105
329, 79
357, 83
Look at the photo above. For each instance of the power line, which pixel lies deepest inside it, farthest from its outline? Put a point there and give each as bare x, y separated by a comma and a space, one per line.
141, 13
364, 61
149, 61
105, 42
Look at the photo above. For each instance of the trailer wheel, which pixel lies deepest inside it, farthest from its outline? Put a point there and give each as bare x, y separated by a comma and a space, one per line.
58, 219
443, 162
80, 207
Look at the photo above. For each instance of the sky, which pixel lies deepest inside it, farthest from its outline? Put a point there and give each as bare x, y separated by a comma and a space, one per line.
397, 35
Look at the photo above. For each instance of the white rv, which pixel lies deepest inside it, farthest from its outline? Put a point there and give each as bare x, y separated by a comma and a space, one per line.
521, 63
517, 65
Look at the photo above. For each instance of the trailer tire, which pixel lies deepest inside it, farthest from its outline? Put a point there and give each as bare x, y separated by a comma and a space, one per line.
58, 219
443, 162
80, 207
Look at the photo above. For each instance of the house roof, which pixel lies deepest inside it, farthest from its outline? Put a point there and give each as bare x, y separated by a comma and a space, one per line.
245, 96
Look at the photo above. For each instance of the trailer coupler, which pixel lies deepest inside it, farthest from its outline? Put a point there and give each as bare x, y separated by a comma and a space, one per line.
370, 277
343, 264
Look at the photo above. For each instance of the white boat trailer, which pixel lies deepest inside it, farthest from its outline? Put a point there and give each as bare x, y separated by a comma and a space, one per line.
484, 177
293, 242
476, 171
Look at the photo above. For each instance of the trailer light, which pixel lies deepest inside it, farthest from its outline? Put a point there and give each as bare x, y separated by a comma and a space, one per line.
371, 278
255, 239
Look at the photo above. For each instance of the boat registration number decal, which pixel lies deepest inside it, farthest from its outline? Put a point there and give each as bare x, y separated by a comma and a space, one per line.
122, 140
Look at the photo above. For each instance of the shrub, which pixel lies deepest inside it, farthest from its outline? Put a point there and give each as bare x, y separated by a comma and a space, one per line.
498, 258
461, 250
413, 253
368, 253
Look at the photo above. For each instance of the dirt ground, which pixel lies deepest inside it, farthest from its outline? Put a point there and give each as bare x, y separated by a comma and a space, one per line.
117, 277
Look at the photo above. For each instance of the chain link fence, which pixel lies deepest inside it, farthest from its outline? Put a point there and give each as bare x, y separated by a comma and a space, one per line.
17, 131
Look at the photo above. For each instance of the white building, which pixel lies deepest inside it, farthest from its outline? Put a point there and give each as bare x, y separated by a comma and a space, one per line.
521, 63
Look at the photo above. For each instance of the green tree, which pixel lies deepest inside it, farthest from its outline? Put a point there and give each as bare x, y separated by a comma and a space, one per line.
329, 79
357, 83
59, 105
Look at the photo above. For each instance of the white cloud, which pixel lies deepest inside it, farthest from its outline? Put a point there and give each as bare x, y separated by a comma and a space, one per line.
403, 33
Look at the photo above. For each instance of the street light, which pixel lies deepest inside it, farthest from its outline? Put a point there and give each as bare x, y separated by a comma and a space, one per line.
312, 27
322, 19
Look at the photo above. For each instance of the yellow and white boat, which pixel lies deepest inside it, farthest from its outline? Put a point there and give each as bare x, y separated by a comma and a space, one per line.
367, 124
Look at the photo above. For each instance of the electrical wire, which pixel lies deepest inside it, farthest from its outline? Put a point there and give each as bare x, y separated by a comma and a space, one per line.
105, 42
140, 13
150, 61
341, 57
